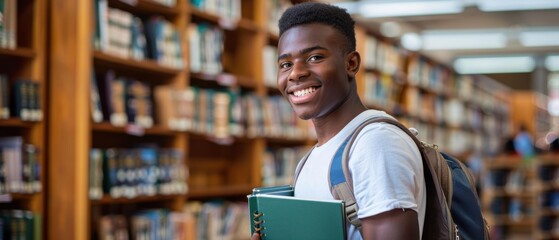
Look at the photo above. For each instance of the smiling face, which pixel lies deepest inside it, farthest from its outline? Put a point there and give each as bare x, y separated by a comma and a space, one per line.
315, 74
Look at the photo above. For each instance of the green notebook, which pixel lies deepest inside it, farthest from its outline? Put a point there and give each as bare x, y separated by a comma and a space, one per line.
276, 214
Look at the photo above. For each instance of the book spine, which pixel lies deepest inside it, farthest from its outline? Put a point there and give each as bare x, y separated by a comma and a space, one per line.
4, 97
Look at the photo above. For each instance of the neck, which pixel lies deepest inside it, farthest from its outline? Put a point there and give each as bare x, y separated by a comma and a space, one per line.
328, 126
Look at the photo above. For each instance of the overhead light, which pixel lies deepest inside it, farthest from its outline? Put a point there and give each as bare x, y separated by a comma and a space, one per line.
488, 64
514, 5
379, 9
552, 63
481, 39
390, 29
411, 41
540, 38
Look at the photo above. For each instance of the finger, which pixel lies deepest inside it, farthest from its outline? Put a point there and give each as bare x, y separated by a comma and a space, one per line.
255, 236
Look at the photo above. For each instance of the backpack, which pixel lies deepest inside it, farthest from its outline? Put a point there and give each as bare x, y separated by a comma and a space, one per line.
453, 208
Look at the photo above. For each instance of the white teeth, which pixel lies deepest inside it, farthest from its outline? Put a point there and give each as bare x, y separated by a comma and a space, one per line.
303, 92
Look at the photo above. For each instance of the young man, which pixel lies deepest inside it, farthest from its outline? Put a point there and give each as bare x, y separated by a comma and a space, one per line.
317, 67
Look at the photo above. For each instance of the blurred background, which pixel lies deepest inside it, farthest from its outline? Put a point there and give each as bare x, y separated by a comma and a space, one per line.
153, 119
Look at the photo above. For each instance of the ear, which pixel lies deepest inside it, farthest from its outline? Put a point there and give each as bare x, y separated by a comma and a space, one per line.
352, 63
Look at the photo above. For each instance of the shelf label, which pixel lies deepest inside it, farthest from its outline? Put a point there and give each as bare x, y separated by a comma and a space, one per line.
225, 79
135, 130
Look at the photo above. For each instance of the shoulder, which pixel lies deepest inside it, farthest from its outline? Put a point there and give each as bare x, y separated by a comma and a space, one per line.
385, 134
384, 142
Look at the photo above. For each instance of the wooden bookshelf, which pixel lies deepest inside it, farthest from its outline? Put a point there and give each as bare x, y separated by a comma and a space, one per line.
73, 59
227, 167
26, 60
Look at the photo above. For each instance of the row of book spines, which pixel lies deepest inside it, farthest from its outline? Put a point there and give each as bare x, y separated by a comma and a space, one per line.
389, 59
270, 65
516, 208
454, 140
220, 219
549, 224
453, 111
122, 34
23, 102
227, 9
153, 224
8, 24
19, 167
279, 165
386, 58
433, 76
215, 112
274, 9
206, 43
20, 224
548, 173
130, 173
120, 101
169, 3
384, 89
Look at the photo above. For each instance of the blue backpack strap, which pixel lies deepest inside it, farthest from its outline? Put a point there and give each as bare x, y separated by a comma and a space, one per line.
340, 187
341, 184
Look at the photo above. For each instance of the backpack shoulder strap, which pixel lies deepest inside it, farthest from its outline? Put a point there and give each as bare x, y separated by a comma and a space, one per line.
440, 225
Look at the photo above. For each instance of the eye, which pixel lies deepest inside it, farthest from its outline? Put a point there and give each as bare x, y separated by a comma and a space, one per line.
315, 58
284, 65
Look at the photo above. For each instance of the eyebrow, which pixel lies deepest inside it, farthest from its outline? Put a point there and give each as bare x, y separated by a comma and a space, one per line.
302, 51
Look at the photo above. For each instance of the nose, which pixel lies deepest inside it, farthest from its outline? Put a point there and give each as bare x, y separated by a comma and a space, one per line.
298, 71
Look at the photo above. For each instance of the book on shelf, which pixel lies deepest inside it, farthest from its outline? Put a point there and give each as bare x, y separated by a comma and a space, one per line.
112, 90
135, 172
4, 97
138, 103
226, 9
270, 59
20, 166
96, 109
174, 107
20, 224
113, 227
218, 219
163, 43
8, 24
21, 100
206, 43
276, 214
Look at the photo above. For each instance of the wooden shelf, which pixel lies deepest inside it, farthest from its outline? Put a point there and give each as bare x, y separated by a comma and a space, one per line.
223, 80
16, 122
524, 221
502, 192
223, 191
134, 130
107, 200
226, 24
19, 53
145, 66
146, 8
11, 197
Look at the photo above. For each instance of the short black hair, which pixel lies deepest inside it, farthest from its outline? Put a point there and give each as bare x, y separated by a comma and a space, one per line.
314, 12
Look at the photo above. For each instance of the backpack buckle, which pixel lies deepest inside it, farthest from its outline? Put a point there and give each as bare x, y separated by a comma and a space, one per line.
351, 213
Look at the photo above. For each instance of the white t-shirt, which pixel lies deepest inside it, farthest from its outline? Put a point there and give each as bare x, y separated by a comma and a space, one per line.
385, 166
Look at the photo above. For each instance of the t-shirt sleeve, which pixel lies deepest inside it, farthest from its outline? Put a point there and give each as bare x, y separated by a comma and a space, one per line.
386, 170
